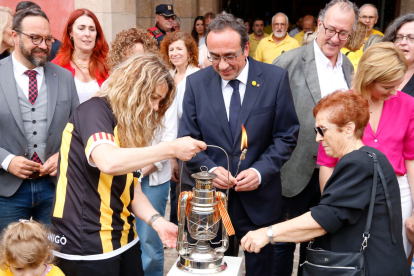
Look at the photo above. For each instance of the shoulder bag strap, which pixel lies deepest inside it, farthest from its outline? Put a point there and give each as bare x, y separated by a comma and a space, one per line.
372, 202
387, 198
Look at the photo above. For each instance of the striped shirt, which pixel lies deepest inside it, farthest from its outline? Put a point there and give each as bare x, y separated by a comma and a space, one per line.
91, 215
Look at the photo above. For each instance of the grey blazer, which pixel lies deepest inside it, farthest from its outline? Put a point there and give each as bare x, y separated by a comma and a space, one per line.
303, 78
62, 99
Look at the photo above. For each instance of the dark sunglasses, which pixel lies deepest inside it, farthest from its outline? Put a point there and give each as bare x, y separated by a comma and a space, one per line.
321, 130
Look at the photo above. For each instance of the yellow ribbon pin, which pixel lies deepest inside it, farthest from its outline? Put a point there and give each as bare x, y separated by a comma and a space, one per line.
254, 83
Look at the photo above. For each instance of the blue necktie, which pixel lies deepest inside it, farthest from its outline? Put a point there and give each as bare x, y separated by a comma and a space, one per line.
235, 106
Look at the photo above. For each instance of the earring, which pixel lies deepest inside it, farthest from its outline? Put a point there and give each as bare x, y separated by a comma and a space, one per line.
169, 61
71, 38
189, 59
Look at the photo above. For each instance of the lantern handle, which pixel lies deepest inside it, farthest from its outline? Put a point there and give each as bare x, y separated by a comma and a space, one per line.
228, 172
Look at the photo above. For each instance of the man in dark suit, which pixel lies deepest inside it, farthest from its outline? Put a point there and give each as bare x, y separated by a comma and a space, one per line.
238, 90
36, 101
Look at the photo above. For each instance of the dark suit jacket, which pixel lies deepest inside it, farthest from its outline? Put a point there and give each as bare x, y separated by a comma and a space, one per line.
62, 99
272, 127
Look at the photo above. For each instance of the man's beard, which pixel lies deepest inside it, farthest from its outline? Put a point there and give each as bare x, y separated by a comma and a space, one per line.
279, 35
30, 55
259, 33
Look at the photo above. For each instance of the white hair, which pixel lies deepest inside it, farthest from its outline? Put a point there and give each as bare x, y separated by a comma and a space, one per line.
369, 5
287, 19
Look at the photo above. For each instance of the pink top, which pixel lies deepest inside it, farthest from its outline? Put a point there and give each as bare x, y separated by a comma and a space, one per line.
394, 137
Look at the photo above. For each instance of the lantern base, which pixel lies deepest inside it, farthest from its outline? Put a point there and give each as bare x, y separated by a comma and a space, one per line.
202, 259
201, 267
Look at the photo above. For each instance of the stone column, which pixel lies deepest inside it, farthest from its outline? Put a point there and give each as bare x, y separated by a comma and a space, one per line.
113, 15
186, 10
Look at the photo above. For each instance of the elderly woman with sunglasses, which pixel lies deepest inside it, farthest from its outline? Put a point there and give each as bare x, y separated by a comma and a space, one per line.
338, 222
381, 71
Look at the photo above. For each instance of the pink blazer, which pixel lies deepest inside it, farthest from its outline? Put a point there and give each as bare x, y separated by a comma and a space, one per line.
394, 136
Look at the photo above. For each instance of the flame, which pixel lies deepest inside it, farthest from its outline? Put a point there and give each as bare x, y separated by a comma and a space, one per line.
244, 139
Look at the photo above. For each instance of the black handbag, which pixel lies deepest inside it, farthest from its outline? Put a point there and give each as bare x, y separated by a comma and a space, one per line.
320, 262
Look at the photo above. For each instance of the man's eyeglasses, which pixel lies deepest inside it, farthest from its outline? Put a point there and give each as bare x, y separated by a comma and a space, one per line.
321, 130
37, 39
172, 17
370, 18
228, 59
399, 38
332, 32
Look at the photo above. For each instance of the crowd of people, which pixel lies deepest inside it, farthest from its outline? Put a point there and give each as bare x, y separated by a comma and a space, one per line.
93, 135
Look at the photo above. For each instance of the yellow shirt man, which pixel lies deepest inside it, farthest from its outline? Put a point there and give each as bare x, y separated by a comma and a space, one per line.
358, 53
253, 44
268, 50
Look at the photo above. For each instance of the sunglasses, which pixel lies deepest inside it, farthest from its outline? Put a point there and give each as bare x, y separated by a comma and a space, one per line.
321, 130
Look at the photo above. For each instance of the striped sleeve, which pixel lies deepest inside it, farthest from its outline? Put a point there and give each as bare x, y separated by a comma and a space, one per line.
95, 129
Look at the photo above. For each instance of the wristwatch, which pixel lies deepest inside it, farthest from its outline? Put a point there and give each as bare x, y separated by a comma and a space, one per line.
270, 234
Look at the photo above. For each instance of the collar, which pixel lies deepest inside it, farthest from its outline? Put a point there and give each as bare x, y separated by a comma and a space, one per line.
20, 68
322, 59
161, 30
242, 77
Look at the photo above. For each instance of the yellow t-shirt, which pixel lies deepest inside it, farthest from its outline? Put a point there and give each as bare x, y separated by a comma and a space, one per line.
358, 54
253, 44
267, 50
55, 271
268, 29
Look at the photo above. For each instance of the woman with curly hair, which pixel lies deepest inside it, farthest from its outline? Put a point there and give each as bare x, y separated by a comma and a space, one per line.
199, 31
83, 52
129, 42
98, 195
155, 183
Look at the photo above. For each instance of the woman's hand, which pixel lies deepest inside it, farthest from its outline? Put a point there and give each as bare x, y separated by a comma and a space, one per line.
254, 241
186, 148
167, 232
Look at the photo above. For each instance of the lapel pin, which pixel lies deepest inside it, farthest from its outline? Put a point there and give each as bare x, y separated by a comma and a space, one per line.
258, 85
254, 83
54, 74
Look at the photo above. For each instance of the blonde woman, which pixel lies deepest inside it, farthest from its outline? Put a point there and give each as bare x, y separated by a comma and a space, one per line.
6, 39
98, 195
391, 124
155, 183
354, 43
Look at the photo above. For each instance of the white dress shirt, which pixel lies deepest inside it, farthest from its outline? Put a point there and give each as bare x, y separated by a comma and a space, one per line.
227, 91
330, 78
23, 82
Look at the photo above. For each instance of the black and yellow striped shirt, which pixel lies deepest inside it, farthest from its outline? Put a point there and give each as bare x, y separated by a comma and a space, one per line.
91, 213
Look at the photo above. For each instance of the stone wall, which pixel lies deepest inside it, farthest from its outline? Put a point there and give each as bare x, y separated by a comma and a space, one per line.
114, 15
186, 10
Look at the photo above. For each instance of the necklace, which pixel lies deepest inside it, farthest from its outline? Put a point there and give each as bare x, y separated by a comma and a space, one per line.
78, 63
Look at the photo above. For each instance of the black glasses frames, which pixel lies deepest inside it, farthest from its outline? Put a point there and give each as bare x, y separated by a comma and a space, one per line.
37, 39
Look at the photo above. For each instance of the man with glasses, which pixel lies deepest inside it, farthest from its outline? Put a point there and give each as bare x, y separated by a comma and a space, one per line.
368, 14
315, 70
278, 43
37, 99
237, 90
164, 15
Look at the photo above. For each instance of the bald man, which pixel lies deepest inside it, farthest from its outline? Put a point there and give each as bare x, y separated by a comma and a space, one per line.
309, 25
368, 14
278, 43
